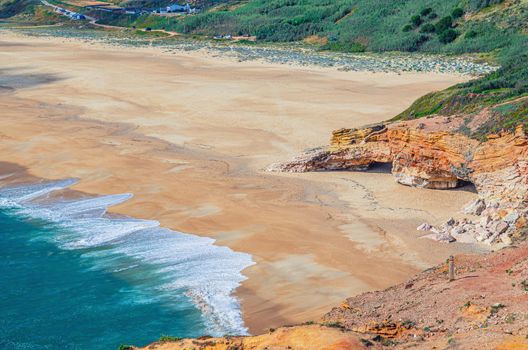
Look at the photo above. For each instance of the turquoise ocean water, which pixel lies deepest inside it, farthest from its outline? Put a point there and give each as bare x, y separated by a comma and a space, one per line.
72, 277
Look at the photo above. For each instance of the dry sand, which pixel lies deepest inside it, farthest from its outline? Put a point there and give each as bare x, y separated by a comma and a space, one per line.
189, 135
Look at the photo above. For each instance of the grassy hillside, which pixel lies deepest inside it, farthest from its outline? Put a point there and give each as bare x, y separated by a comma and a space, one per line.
356, 25
27, 11
503, 91
10, 8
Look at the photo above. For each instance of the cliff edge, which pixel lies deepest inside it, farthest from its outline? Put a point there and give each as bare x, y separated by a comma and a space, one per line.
485, 307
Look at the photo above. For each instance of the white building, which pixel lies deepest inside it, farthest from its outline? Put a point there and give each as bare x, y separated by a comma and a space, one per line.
179, 8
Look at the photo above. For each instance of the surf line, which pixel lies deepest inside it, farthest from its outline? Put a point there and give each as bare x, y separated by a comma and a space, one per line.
182, 264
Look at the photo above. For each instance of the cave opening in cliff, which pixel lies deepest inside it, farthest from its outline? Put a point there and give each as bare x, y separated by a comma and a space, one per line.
380, 168
466, 186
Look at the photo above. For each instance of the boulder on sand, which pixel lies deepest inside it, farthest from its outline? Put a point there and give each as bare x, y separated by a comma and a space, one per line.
476, 207
440, 237
424, 227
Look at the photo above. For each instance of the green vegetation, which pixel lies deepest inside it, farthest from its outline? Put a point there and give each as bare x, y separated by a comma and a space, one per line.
408, 324
347, 25
505, 90
10, 8
416, 21
428, 28
151, 34
426, 11
125, 347
444, 24
457, 13
447, 36
28, 12
334, 325
524, 285
167, 338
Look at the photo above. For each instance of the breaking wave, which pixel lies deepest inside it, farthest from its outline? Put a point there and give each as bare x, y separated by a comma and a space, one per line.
178, 264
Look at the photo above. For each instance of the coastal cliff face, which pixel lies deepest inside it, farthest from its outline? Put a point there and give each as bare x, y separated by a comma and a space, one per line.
312, 336
429, 154
485, 307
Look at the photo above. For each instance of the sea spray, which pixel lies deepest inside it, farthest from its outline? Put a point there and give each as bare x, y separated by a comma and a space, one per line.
163, 263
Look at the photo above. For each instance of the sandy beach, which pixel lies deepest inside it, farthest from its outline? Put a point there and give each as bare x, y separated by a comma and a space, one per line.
190, 135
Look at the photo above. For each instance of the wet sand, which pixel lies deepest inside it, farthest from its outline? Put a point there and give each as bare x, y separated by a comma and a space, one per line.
189, 136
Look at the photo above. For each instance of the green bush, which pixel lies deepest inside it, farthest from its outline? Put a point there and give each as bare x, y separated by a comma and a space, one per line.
427, 28
334, 325
416, 20
124, 347
470, 34
444, 24
448, 36
457, 13
168, 338
407, 28
426, 11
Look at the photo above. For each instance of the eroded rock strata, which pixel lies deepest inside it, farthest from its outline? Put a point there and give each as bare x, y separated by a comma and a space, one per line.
432, 155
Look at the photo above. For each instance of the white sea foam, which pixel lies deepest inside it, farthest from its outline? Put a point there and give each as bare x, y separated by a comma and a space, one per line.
182, 263
23, 193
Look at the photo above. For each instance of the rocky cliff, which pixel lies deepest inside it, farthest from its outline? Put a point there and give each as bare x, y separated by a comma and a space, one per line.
485, 307
431, 154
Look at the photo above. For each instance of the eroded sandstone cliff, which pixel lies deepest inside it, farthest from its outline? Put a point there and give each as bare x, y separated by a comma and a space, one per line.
430, 154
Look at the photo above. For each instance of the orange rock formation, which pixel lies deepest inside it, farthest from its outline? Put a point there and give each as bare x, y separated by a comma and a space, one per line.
438, 158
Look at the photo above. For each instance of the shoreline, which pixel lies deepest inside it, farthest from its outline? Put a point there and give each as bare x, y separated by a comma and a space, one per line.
121, 239
132, 127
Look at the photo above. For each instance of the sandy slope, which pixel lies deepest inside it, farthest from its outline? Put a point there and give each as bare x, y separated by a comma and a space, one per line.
189, 135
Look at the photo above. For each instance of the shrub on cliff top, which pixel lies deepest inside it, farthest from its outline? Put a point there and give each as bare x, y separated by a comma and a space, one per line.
124, 347
167, 338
